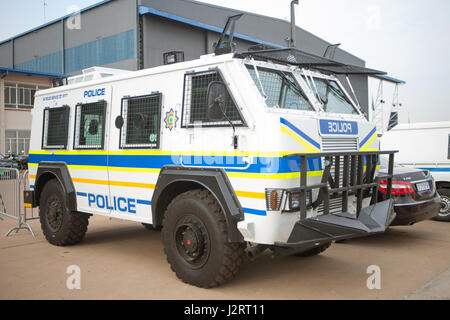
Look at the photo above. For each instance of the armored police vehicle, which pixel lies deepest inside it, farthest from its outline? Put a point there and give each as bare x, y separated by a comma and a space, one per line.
256, 151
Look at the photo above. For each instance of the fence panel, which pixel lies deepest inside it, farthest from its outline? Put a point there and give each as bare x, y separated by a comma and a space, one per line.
12, 184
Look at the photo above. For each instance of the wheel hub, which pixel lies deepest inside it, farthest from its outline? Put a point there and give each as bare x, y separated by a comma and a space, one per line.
54, 214
445, 206
192, 242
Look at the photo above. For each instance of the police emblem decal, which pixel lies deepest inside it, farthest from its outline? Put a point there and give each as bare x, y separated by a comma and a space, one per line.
171, 119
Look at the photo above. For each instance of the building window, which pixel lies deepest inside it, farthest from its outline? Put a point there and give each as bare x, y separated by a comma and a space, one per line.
56, 122
195, 109
90, 125
20, 96
142, 117
17, 141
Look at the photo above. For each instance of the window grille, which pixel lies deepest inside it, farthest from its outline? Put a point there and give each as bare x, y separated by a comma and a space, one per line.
281, 89
56, 122
142, 117
195, 108
90, 125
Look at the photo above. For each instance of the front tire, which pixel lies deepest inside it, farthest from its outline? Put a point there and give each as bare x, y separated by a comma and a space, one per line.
444, 213
195, 241
60, 226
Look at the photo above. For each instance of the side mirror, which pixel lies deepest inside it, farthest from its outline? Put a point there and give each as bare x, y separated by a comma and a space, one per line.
93, 127
119, 122
216, 98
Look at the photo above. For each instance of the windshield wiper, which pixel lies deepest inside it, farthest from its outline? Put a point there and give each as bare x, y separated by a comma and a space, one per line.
291, 83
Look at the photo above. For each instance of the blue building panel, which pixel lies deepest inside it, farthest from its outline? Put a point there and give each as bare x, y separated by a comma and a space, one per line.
100, 52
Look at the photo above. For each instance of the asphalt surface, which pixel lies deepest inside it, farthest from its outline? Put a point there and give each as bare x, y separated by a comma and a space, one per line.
122, 260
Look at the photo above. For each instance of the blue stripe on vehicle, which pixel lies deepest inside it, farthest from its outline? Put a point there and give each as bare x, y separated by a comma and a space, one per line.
364, 141
232, 164
81, 194
145, 202
437, 169
255, 211
300, 133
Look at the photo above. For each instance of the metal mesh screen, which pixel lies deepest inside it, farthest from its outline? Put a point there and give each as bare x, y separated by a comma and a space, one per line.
195, 109
55, 128
304, 59
90, 125
280, 89
142, 122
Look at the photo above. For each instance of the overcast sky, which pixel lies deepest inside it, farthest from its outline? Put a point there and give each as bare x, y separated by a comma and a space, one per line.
410, 39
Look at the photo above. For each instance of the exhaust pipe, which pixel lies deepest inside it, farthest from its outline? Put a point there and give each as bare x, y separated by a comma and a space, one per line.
254, 252
293, 40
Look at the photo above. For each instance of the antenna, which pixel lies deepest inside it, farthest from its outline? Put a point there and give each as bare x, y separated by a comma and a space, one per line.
225, 44
45, 17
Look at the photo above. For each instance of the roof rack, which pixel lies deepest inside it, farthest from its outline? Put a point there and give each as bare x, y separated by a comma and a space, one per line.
307, 60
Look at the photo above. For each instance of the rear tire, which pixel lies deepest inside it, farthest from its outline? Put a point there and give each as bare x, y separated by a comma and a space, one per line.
444, 214
60, 226
195, 242
314, 251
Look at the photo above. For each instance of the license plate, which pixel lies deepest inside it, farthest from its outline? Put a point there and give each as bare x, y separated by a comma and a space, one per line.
423, 186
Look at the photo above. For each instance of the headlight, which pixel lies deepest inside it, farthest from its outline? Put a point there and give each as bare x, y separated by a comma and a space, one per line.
294, 200
285, 200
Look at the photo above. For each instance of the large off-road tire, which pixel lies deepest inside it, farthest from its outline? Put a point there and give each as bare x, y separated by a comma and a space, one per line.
444, 214
60, 226
195, 242
314, 251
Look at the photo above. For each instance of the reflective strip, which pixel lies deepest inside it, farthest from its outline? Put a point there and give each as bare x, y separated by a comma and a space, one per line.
115, 183
254, 195
299, 140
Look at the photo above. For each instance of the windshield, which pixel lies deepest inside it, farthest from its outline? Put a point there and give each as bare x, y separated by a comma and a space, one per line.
332, 97
280, 88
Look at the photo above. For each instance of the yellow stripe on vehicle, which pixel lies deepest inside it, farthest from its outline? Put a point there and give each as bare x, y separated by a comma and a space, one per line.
253, 195
369, 143
115, 183
305, 144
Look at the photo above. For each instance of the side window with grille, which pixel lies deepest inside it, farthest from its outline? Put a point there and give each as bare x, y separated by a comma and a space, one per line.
56, 123
195, 108
142, 117
90, 125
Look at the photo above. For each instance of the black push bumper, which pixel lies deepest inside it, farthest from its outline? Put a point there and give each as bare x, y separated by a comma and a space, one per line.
353, 175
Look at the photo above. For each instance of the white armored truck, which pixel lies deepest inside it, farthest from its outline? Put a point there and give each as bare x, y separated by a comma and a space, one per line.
233, 152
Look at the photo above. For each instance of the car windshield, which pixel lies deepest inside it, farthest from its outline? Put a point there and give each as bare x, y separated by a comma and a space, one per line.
280, 89
332, 97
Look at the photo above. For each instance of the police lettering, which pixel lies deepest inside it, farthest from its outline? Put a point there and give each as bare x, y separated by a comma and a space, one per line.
112, 203
340, 127
94, 93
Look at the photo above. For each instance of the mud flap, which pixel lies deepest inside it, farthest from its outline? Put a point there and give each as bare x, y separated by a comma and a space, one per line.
331, 227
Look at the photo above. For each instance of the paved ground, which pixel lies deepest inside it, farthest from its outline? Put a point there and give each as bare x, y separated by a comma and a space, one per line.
122, 260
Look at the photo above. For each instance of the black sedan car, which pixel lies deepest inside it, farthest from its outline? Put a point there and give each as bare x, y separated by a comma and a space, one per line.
414, 193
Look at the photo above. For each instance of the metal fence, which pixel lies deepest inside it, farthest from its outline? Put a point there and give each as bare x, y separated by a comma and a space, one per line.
12, 185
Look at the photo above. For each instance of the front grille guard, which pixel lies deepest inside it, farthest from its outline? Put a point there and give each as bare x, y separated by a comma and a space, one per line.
356, 180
